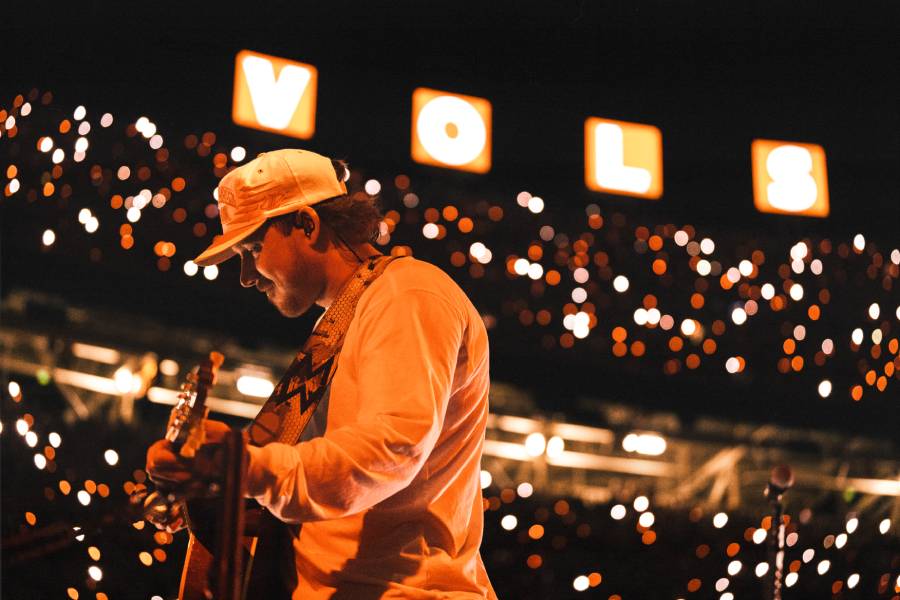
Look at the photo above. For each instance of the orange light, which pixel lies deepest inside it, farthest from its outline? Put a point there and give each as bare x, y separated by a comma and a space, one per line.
553, 277
465, 225
619, 334
274, 94
451, 130
789, 178
178, 184
623, 158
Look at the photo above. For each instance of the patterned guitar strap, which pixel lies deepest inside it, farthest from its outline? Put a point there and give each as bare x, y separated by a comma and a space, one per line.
295, 398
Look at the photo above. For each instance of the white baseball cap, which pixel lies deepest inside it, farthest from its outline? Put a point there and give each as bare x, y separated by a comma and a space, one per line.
274, 183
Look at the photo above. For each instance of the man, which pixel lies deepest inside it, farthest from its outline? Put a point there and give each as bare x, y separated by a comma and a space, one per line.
385, 478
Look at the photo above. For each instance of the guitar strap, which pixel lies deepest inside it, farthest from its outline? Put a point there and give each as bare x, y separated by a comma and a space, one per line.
294, 400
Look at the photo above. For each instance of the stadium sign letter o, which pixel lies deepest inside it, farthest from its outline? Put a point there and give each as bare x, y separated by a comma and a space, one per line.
451, 130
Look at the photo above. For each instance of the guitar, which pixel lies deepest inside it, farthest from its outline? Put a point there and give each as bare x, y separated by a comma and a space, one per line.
212, 507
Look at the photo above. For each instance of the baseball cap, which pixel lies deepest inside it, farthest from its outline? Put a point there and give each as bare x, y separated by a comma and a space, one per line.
274, 183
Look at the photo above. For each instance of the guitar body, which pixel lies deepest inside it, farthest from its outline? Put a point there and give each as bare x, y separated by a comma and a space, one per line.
263, 548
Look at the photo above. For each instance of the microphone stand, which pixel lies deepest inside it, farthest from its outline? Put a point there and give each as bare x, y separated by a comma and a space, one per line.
780, 480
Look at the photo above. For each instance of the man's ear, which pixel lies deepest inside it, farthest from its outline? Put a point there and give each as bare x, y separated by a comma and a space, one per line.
308, 220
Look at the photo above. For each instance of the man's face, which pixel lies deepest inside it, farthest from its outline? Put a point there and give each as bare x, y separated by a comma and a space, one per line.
284, 267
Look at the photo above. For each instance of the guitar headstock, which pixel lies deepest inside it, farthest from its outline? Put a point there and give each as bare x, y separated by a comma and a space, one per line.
185, 430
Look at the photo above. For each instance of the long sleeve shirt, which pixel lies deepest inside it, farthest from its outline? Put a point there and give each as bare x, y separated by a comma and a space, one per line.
389, 498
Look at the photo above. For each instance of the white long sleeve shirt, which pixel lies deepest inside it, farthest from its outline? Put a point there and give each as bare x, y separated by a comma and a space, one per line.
389, 498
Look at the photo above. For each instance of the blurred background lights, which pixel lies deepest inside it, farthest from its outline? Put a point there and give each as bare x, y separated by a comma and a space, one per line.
581, 583
649, 444
761, 569
252, 385
688, 327
641, 503
808, 555
486, 479
796, 292
823, 567
535, 444
824, 388
49, 237
857, 336
111, 457
14, 389
133, 214
509, 522
739, 316
555, 446
535, 204
859, 242
45, 144
620, 283
722, 584
852, 580
211, 272
190, 268
759, 535
704, 267
373, 187
524, 490
791, 578
646, 519
852, 524
884, 526
617, 512
522, 199
95, 573
707, 246
430, 230
767, 291
238, 153
126, 381
720, 520
31, 439
54, 439
21, 426
874, 310
521, 266
840, 540
535, 271
40, 461
640, 316
79, 113
84, 497
106, 120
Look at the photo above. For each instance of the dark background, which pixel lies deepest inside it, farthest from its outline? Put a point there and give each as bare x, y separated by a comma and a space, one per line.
712, 77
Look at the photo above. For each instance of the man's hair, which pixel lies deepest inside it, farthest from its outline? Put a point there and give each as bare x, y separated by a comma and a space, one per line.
354, 218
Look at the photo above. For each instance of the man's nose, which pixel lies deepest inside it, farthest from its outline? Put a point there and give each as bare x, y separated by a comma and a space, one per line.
249, 274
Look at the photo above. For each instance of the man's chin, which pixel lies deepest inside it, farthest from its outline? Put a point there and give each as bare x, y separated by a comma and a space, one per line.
288, 311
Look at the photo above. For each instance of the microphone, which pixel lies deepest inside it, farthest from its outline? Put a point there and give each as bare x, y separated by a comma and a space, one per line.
781, 479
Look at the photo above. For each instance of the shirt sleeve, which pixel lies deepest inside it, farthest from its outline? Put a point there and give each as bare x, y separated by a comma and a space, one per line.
405, 362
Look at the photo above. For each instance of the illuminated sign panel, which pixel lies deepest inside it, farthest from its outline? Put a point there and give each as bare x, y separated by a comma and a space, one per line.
451, 130
623, 158
274, 94
789, 178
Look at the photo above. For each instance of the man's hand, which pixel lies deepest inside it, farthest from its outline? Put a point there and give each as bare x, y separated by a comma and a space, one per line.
168, 469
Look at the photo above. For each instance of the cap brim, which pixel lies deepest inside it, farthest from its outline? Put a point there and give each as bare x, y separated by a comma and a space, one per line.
221, 250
